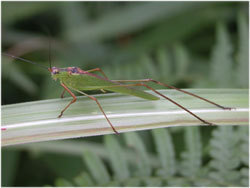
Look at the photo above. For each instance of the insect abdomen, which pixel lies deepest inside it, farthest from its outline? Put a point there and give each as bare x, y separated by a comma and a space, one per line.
86, 82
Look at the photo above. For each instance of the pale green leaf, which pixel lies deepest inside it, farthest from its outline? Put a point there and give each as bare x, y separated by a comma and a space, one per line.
191, 157
224, 153
242, 69
165, 150
117, 157
221, 59
96, 168
134, 141
181, 61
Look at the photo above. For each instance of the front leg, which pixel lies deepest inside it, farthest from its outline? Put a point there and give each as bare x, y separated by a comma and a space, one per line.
100, 107
73, 100
62, 95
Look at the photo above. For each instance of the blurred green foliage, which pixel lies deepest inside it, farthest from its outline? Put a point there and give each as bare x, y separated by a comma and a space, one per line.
217, 158
186, 44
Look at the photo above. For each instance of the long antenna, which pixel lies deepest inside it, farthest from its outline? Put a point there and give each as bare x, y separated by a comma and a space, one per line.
50, 53
46, 29
24, 60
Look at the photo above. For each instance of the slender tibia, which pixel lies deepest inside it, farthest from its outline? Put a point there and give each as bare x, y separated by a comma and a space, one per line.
62, 95
202, 120
73, 100
100, 70
100, 107
172, 87
158, 93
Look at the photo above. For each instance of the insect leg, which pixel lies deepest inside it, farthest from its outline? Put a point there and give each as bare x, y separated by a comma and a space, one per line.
177, 104
197, 117
172, 87
100, 107
73, 100
62, 95
98, 69
101, 71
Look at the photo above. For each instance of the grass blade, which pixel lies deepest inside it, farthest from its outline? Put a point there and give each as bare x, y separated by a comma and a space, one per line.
37, 121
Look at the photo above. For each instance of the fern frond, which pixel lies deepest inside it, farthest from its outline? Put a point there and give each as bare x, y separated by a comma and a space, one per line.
117, 158
150, 69
143, 165
152, 182
165, 150
96, 168
182, 61
225, 159
242, 69
133, 182
165, 67
228, 149
191, 158
221, 60
243, 133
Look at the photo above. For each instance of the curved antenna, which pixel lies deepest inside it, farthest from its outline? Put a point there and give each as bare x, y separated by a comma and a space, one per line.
50, 53
46, 29
24, 60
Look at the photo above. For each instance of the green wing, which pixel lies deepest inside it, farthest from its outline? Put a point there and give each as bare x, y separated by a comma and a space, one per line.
134, 92
89, 82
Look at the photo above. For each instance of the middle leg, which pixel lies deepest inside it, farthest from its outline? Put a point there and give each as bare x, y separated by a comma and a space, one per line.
73, 100
100, 107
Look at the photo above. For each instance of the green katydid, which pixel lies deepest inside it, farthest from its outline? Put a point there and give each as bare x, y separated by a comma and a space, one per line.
78, 80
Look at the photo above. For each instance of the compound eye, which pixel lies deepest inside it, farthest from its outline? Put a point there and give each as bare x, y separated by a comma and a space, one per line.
55, 71
74, 70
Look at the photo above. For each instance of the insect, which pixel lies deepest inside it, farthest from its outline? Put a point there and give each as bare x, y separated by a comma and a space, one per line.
78, 80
